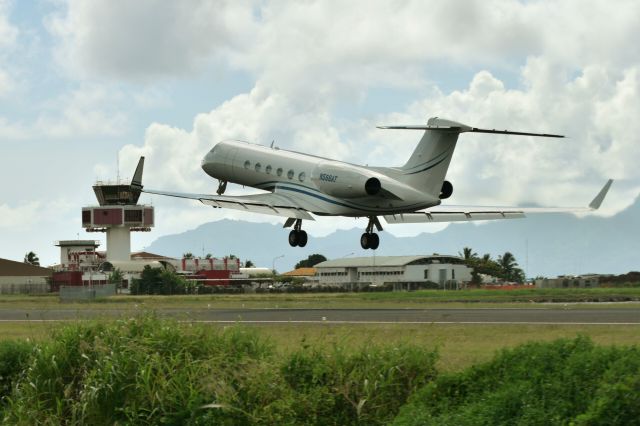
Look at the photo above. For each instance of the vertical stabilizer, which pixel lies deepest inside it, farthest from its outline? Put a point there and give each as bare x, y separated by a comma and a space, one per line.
428, 165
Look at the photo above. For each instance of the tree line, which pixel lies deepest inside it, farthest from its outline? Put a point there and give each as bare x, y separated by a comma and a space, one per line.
505, 267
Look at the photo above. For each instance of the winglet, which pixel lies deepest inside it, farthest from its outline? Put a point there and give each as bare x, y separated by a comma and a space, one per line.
595, 204
136, 182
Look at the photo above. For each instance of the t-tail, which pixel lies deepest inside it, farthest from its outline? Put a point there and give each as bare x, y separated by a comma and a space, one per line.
427, 167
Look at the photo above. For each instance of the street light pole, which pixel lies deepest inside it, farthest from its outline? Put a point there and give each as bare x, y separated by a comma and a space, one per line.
273, 263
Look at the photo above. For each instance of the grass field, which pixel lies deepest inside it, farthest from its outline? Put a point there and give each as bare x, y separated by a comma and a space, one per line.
459, 345
414, 299
292, 372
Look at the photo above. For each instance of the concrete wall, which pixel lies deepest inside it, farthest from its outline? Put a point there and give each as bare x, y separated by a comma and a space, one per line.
23, 285
119, 244
22, 280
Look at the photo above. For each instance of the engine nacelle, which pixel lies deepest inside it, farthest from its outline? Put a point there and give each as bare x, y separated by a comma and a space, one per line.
342, 181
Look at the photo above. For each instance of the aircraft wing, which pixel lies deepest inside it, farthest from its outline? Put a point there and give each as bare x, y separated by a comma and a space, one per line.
472, 213
276, 204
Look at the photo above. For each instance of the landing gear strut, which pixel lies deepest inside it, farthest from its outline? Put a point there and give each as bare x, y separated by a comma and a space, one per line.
222, 186
370, 240
297, 237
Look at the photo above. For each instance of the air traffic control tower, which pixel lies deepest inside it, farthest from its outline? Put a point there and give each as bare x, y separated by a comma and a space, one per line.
118, 214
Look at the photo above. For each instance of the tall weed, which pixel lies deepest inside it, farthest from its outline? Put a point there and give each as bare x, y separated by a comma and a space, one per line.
361, 387
140, 371
14, 357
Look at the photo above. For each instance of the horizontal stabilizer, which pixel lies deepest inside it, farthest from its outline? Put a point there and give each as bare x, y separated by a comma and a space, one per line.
470, 130
442, 125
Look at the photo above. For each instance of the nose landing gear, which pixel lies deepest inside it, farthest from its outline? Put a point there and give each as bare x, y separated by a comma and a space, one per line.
370, 240
297, 237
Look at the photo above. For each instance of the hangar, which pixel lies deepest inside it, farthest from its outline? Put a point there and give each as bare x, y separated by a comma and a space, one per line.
19, 277
402, 272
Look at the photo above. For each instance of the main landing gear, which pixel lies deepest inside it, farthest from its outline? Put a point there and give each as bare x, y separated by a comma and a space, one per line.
222, 186
297, 237
370, 240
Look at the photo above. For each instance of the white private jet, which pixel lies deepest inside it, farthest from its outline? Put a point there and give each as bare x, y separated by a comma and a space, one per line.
298, 185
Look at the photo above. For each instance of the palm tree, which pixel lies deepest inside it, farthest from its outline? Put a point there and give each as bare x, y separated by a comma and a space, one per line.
508, 264
32, 259
468, 254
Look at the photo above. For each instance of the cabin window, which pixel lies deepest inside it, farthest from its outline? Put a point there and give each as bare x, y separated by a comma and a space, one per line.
301, 176
247, 164
279, 171
290, 174
258, 167
268, 169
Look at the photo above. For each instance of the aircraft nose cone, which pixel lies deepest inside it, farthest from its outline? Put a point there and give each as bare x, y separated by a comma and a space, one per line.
207, 158
207, 162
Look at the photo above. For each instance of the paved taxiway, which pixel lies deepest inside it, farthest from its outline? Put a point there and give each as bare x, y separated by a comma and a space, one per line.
598, 315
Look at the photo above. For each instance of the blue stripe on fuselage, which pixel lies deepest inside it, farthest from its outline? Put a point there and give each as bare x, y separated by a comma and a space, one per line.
354, 206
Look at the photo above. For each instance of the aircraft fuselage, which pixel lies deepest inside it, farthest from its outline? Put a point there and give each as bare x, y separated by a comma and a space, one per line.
321, 185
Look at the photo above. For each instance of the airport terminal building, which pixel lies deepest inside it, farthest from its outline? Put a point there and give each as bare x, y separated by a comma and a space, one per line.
402, 272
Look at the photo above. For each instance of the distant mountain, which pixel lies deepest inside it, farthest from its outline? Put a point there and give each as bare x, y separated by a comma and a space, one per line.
546, 244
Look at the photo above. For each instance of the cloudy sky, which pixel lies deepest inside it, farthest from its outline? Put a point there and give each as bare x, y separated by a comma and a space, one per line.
85, 82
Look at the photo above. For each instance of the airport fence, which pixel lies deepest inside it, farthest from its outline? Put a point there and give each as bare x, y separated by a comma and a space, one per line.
33, 288
77, 293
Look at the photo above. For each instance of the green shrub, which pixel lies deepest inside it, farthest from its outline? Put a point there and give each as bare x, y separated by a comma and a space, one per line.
567, 381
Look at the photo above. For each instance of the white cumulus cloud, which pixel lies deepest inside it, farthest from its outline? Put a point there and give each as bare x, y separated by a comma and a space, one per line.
147, 38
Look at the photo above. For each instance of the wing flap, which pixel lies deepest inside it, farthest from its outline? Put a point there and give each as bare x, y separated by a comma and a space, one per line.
434, 217
269, 209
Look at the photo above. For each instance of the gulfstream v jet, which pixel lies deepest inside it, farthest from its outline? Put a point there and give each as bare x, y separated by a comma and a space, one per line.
297, 186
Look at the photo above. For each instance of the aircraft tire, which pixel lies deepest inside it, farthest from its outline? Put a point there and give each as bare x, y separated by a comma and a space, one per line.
374, 241
293, 238
302, 238
365, 241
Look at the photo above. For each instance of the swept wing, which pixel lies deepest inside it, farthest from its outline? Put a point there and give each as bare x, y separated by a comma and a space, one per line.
472, 213
276, 204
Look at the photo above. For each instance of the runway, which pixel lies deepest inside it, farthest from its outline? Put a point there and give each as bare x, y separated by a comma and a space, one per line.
629, 316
